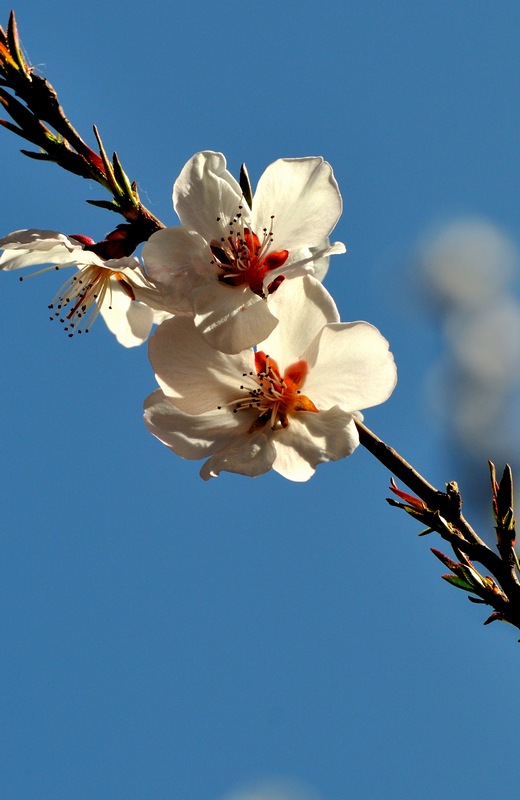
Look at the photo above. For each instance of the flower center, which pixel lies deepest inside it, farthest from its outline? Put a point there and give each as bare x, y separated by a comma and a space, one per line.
275, 397
244, 259
79, 300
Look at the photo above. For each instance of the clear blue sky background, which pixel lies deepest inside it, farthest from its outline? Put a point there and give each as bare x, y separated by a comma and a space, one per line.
163, 638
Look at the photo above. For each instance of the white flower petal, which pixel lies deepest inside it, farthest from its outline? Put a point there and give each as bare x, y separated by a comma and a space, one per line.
190, 436
350, 366
30, 247
129, 321
198, 436
311, 439
191, 373
231, 318
249, 454
303, 306
128, 265
27, 248
204, 191
315, 260
303, 196
176, 260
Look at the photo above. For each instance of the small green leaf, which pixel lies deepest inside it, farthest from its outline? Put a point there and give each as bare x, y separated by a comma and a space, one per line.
41, 156
114, 187
108, 204
460, 583
471, 575
14, 45
123, 180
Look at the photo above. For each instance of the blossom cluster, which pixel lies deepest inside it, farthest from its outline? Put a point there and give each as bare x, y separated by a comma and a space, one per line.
255, 369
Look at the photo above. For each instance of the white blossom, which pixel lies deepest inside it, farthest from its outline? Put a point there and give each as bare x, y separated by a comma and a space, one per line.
227, 259
288, 406
116, 288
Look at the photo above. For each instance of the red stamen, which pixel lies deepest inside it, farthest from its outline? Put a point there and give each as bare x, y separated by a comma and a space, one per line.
242, 262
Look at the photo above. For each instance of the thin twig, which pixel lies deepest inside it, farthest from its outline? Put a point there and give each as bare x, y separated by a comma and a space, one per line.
454, 528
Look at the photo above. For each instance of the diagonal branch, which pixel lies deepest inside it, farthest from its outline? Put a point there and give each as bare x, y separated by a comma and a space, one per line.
442, 512
39, 118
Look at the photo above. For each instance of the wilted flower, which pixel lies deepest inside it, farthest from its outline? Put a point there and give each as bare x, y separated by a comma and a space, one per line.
233, 250
288, 406
115, 288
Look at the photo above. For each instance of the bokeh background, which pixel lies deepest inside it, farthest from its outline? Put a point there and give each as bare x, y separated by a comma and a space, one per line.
258, 639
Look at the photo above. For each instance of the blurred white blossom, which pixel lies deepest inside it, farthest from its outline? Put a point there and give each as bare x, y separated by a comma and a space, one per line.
274, 789
467, 270
467, 262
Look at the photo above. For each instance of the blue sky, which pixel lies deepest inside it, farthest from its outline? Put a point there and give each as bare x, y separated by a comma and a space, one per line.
167, 638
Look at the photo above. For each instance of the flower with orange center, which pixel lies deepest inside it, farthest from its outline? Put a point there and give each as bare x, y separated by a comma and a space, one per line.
244, 260
116, 288
233, 249
279, 396
288, 406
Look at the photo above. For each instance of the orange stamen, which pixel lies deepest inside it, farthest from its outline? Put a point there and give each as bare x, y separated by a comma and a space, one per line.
281, 396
